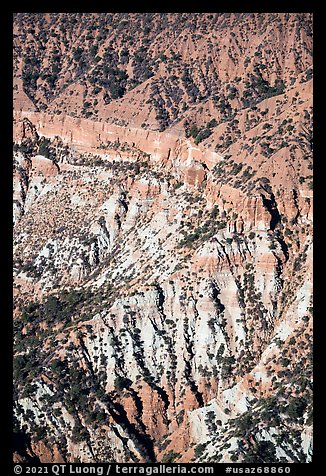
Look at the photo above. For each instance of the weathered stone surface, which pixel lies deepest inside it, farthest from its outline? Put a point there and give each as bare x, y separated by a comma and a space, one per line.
163, 286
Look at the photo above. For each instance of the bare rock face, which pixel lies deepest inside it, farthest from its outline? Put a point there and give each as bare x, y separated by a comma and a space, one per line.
44, 167
163, 238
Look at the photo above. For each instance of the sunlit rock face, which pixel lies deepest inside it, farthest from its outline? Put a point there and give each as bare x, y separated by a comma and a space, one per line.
163, 238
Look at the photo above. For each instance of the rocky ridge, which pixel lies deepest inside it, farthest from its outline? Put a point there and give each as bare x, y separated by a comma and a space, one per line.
163, 281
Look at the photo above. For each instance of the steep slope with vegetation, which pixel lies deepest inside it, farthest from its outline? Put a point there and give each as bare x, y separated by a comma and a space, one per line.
163, 237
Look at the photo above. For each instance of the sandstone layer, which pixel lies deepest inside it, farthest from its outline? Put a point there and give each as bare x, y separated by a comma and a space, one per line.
163, 238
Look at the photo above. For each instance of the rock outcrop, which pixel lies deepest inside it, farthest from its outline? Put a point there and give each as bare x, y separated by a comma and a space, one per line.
163, 274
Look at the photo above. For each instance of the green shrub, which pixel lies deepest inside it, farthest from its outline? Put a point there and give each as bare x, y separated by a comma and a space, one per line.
296, 407
121, 383
199, 450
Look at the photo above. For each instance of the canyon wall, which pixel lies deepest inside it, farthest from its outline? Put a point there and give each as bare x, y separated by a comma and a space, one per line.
163, 267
